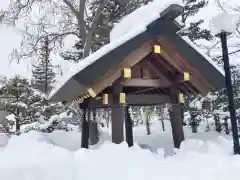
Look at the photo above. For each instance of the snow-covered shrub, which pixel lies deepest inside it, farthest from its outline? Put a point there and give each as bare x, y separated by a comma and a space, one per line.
54, 123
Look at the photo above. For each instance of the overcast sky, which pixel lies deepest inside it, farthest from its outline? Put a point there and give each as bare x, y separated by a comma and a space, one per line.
9, 39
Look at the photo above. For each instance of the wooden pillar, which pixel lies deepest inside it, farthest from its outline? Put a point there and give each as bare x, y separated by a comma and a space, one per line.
118, 114
118, 107
85, 124
93, 128
176, 118
129, 128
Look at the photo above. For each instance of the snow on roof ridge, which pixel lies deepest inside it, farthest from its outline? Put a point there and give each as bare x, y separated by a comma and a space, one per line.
208, 58
141, 17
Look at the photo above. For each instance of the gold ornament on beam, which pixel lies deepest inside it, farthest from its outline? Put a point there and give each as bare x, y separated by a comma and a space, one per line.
122, 98
105, 99
186, 76
127, 73
157, 49
181, 98
92, 93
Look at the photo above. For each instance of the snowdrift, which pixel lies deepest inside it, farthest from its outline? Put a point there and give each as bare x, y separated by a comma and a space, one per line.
35, 156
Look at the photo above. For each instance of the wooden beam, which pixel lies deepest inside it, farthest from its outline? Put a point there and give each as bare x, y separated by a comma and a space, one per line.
138, 82
132, 99
175, 59
157, 72
114, 74
173, 75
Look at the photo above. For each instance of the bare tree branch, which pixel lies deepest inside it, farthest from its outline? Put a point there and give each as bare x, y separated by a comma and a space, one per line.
219, 4
92, 29
75, 12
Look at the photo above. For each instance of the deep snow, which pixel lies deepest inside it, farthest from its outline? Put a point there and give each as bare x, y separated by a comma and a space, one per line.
35, 156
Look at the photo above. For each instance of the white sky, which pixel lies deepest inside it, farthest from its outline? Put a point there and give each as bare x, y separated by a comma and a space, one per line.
9, 39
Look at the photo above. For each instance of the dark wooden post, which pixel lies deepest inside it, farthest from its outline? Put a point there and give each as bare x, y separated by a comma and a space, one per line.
129, 128
85, 124
176, 118
217, 122
93, 130
118, 107
118, 114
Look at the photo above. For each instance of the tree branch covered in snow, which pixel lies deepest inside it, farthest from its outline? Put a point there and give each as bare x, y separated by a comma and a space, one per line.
90, 21
193, 30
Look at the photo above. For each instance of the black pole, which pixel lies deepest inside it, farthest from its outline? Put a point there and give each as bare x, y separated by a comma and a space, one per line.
85, 124
128, 127
231, 102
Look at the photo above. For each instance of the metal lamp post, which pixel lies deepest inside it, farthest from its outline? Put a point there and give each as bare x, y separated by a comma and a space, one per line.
228, 81
224, 24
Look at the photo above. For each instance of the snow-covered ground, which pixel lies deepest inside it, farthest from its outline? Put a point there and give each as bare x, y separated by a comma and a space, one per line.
34, 156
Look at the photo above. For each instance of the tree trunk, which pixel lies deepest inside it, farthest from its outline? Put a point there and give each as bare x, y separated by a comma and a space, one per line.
148, 123
108, 117
17, 125
163, 125
17, 119
89, 36
128, 127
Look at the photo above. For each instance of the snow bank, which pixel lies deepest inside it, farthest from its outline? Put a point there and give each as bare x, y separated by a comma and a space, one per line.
30, 156
141, 17
67, 140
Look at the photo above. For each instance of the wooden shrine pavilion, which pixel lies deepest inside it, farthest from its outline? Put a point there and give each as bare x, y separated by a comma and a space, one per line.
153, 67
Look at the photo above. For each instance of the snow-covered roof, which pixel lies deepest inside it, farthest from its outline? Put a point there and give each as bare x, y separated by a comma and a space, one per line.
122, 32
209, 59
125, 32
141, 18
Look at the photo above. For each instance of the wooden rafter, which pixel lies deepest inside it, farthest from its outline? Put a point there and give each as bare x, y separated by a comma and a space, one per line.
171, 74
115, 73
156, 71
139, 82
174, 58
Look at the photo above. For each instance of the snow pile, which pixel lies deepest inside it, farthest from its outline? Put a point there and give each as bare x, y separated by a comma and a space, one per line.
141, 17
68, 140
31, 156
11, 117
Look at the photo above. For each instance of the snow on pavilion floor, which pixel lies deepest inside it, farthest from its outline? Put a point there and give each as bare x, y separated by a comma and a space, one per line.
33, 156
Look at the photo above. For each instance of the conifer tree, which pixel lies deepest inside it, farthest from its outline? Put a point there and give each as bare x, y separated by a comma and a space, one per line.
43, 73
193, 30
21, 101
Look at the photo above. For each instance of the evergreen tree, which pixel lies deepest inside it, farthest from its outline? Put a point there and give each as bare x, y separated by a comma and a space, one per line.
193, 30
43, 73
20, 100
